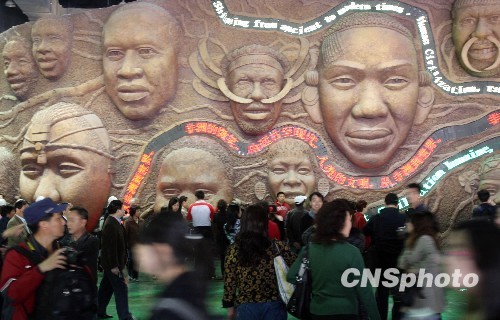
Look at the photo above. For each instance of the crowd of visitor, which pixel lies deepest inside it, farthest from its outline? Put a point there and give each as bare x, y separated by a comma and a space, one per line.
44, 242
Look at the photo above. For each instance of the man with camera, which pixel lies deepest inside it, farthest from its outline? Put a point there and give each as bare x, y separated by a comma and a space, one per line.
26, 265
86, 245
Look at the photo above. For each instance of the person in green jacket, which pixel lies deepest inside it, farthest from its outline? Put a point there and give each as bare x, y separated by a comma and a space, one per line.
329, 257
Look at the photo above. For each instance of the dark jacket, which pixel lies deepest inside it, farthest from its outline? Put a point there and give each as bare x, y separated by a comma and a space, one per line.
88, 245
113, 246
293, 224
484, 211
184, 295
383, 228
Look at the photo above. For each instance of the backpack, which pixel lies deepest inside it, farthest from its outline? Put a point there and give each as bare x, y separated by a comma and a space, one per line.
67, 294
64, 293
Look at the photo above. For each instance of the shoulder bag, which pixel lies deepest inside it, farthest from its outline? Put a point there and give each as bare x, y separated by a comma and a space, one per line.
299, 303
281, 269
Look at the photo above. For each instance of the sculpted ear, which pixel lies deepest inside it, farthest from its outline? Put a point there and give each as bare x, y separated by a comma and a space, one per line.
425, 97
310, 96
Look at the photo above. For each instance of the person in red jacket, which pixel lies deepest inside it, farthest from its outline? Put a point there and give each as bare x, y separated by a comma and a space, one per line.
21, 278
359, 220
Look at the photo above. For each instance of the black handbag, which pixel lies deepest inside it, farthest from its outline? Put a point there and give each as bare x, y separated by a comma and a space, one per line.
298, 305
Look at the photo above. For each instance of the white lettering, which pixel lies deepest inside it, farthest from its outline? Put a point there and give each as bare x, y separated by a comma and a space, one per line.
421, 276
389, 7
368, 276
289, 29
407, 280
423, 30
466, 158
391, 278
455, 276
330, 18
471, 276
493, 89
354, 6
345, 275
442, 283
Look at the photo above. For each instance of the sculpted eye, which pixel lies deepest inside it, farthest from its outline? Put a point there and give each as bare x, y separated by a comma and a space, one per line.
32, 171
396, 83
494, 19
278, 170
343, 82
169, 192
269, 81
5, 64
243, 81
68, 169
468, 21
114, 54
146, 52
36, 41
304, 171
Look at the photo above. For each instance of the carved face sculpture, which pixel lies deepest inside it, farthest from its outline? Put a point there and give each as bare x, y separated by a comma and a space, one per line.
65, 157
52, 42
140, 60
19, 68
476, 36
256, 81
187, 170
368, 94
290, 169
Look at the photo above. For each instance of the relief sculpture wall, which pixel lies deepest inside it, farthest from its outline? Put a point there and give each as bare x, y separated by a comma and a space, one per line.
154, 99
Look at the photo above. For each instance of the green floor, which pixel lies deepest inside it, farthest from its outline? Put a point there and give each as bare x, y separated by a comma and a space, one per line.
142, 295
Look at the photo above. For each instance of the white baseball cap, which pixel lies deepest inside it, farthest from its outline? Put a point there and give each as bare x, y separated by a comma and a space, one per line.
299, 199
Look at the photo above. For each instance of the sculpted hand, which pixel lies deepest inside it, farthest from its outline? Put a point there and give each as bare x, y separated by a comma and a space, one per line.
55, 261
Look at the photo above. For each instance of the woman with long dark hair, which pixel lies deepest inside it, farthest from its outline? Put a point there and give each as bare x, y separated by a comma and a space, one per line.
421, 251
172, 208
233, 223
165, 251
249, 277
330, 255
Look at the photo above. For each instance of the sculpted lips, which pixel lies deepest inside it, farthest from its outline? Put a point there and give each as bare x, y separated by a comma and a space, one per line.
16, 83
372, 138
256, 111
46, 62
132, 92
483, 50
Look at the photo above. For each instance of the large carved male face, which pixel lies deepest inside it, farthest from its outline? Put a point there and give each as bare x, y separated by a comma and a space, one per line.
67, 160
52, 42
290, 170
368, 94
476, 36
256, 81
19, 68
187, 170
140, 60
